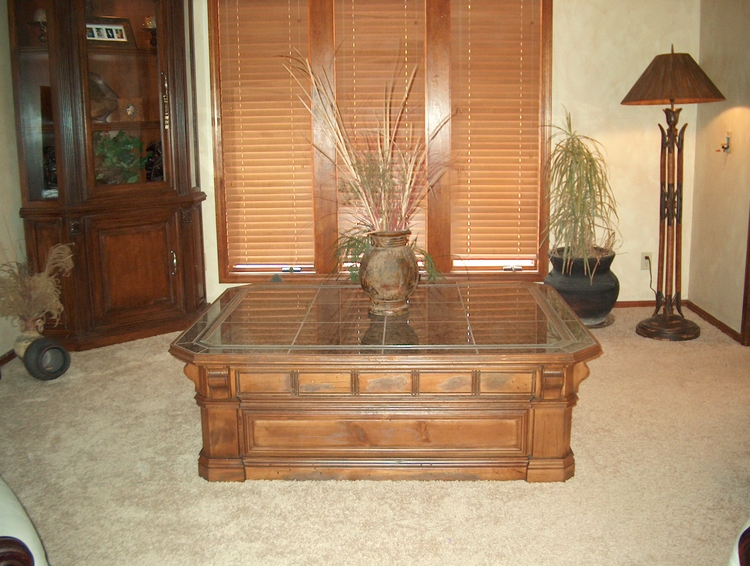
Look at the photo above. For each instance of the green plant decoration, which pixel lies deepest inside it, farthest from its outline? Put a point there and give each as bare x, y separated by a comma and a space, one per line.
582, 205
119, 159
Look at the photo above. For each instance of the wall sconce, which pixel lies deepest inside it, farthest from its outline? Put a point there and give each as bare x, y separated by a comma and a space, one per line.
40, 19
726, 147
672, 78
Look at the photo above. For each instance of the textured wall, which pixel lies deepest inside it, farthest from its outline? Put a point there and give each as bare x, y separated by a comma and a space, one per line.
600, 48
206, 149
11, 229
722, 187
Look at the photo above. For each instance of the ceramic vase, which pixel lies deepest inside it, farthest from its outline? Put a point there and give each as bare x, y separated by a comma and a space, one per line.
389, 272
29, 332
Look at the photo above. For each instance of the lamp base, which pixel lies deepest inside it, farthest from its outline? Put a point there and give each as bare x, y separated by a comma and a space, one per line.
673, 327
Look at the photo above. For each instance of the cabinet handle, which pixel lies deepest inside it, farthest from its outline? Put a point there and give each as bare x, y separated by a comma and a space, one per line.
165, 99
174, 263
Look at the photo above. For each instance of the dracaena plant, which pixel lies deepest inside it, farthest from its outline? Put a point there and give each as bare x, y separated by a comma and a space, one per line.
583, 215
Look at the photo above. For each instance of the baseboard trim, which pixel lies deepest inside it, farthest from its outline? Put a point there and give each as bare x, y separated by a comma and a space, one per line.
713, 321
4, 359
631, 304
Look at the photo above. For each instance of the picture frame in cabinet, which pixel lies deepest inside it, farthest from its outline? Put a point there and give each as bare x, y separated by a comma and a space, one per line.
110, 32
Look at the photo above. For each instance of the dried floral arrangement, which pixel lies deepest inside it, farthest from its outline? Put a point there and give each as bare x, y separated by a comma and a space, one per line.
26, 297
385, 180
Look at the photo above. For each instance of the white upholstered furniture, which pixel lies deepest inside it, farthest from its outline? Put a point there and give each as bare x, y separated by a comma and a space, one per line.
19, 542
741, 550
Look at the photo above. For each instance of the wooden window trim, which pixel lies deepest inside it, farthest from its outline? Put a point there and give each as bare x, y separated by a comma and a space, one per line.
437, 64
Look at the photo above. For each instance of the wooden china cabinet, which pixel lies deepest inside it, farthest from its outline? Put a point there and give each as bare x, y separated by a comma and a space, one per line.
104, 106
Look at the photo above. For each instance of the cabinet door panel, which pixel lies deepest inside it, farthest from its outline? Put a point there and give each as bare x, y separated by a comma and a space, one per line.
135, 272
41, 235
128, 94
134, 267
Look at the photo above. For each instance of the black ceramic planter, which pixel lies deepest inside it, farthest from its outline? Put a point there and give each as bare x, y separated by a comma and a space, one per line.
591, 300
46, 359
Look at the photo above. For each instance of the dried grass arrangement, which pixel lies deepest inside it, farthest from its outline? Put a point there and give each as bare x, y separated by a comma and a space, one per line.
26, 297
384, 180
387, 181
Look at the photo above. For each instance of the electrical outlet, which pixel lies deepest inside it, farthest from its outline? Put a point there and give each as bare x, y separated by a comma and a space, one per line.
646, 259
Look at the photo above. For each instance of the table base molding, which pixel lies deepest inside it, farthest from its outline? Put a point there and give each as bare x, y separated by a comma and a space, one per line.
550, 470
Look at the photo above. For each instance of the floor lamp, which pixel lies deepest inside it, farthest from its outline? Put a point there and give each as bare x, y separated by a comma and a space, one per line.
672, 78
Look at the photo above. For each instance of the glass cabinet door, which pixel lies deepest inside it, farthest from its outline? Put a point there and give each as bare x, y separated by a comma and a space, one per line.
128, 93
35, 99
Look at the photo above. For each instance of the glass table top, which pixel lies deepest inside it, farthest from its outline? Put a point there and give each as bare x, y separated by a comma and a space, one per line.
443, 318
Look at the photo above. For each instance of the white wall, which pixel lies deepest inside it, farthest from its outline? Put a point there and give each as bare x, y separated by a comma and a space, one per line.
11, 229
722, 195
600, 48
206, 149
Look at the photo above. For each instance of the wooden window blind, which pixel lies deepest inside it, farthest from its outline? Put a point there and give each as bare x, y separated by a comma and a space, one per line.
378, 44
496, 135
482, 61
264, 137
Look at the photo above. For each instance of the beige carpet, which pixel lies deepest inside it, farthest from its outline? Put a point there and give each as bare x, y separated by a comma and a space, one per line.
105, 461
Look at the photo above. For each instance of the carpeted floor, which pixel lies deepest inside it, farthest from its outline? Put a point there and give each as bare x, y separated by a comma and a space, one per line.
105, 461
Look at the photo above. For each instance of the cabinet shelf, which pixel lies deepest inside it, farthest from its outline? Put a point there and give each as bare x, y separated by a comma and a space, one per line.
132, 125
33, 49
120, 51
96, 50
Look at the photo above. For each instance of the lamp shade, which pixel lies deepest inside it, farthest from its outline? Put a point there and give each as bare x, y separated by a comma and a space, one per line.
673, 78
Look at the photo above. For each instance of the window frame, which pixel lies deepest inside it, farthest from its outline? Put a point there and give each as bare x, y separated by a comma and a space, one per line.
437, 61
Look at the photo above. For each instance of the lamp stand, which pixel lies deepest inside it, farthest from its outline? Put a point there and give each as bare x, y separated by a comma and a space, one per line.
668, 322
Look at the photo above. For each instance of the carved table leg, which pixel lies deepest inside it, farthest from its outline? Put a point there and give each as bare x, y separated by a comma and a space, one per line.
220, 459
551, 417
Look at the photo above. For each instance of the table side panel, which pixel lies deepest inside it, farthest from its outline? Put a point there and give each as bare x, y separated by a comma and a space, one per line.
251, 381
356, 435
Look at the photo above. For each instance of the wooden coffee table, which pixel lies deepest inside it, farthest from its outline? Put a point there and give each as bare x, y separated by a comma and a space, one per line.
479, 381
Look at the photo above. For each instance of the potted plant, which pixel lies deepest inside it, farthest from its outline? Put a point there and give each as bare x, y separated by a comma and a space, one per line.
383, 179
119, 158
582, 225
28, 298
